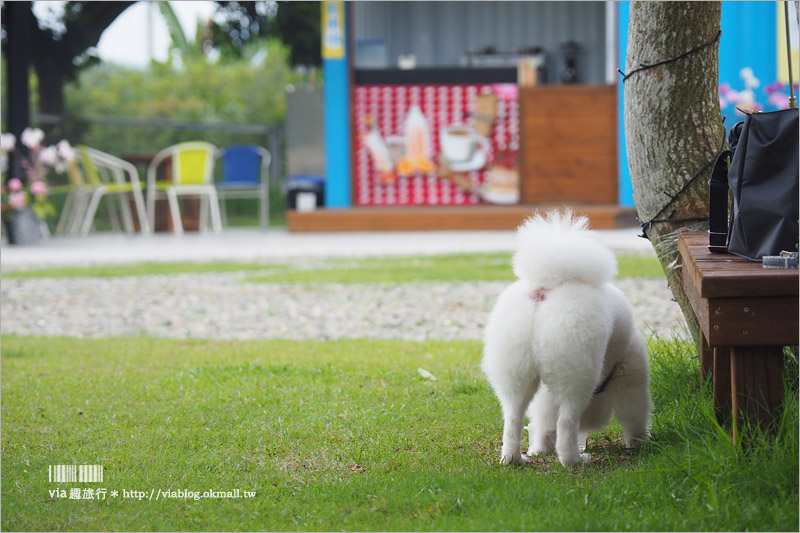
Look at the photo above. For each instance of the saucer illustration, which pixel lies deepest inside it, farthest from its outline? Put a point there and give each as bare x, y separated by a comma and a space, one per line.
476, 161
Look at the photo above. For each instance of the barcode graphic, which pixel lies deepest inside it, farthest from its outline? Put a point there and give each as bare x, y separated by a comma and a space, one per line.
75, 473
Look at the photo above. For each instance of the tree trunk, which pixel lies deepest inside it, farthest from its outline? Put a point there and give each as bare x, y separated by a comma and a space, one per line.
51, 97
673, 125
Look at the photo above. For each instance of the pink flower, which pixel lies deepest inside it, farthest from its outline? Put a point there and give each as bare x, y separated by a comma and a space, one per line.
17, 199
32, 138
779, 100
773, 87
733, 97
14, 184
38, 188
8, 142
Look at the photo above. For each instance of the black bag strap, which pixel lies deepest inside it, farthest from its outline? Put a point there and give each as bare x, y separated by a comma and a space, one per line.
718, 205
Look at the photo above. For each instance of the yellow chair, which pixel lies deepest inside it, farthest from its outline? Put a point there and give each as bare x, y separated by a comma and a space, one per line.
106, 175
192, 174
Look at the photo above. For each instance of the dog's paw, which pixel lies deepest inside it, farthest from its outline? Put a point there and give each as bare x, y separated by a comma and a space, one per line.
569, 459
636, 442
539, 450
514, 459
542, 446
586, 458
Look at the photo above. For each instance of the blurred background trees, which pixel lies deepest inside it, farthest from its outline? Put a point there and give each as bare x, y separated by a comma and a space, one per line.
234, 72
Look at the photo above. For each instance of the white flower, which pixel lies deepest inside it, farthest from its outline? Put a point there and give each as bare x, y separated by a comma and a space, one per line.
747, 98
65, 151
750, 81
49, 156
32, 138
8, 142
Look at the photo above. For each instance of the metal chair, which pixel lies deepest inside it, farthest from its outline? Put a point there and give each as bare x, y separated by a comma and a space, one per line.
192, 168
106, 175
77, 193
245, 174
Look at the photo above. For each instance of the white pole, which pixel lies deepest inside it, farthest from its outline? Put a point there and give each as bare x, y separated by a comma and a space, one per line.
611, 42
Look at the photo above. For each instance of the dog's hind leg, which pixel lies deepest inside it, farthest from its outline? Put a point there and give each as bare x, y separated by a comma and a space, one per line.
542, 428
630, 396
514, 403
633, 406
567, 430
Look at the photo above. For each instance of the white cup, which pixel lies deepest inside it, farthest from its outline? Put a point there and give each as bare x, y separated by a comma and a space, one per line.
458, 142
306, 202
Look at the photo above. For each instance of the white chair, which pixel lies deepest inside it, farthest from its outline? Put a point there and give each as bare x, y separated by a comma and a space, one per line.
109, 175
76, 200
192, 172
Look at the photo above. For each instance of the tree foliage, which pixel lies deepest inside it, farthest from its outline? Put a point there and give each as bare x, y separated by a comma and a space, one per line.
249, 91
296, 24
61, 49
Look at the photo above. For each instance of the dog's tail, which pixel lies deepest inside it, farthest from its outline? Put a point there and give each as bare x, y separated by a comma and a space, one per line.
556, 248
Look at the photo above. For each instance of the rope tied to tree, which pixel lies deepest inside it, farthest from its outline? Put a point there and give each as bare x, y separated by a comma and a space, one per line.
646, 225
685, 55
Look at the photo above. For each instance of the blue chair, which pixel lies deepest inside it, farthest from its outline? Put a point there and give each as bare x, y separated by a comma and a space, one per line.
245, 174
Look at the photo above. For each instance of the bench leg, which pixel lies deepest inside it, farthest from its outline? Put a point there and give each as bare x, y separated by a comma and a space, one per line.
756, 386
721, 385
706, 359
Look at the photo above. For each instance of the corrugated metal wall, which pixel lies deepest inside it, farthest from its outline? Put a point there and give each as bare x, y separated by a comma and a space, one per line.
439, 33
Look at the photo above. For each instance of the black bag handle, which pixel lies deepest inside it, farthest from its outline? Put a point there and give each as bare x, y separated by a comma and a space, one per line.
718, 205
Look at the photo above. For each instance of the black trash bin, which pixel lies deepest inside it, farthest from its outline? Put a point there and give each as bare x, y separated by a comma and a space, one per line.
303, 183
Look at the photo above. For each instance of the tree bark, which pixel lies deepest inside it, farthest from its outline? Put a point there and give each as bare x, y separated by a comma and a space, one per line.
673, 125
54, 55
51, 80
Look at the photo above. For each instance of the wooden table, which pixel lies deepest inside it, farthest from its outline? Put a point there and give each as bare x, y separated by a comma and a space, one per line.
747, 313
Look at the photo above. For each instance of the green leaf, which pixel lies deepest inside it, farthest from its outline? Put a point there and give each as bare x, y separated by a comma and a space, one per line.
179, 40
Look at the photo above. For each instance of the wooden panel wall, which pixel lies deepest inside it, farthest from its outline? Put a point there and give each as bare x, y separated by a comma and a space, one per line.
568, 144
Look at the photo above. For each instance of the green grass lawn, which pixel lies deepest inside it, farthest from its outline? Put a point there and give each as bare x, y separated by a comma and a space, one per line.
348, 435
463, 267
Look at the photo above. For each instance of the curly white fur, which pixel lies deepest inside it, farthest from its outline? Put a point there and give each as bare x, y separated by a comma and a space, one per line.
555, 335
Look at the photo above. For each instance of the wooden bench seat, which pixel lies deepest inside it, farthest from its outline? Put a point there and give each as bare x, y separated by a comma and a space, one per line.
747, 313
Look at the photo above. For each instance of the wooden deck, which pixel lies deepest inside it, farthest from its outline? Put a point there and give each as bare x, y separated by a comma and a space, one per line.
479, 217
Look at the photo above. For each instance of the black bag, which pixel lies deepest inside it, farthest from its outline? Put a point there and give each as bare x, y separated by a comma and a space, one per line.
763, 177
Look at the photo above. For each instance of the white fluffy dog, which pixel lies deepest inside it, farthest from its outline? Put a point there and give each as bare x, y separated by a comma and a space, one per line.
561, 344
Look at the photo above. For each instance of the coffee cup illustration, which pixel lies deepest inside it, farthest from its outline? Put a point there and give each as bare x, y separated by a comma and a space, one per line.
458, 142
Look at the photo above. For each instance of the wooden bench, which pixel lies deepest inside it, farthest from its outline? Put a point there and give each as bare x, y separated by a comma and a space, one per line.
747, 313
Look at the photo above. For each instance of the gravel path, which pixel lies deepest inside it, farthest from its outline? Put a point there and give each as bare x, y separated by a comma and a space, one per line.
222, 306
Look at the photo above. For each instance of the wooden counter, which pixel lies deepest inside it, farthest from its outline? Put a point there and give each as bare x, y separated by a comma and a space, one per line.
568, 136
